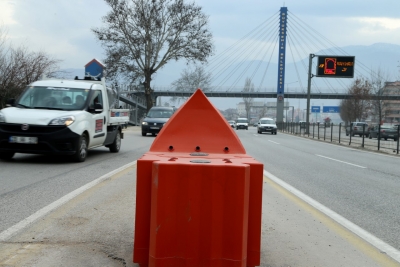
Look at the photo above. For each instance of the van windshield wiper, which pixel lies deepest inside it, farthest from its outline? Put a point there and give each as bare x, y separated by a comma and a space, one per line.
20, 105
51, 108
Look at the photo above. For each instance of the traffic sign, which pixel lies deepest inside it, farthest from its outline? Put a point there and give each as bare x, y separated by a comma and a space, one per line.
331, 109
315, 109
335, 66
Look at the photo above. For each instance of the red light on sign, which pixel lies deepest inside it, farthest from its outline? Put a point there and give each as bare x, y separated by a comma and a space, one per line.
330, 66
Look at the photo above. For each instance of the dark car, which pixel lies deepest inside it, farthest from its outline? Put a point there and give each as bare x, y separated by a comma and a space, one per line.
386, 132
155, 119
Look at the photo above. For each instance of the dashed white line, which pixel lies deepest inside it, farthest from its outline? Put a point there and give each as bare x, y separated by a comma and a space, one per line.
273, 142
342, 161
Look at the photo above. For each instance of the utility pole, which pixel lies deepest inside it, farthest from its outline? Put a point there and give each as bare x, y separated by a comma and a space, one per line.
310, 75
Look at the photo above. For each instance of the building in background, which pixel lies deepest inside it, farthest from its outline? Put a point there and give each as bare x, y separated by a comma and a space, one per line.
391, 108
261, 109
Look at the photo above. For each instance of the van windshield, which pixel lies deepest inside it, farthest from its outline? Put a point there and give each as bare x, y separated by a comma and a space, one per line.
242, 120
53, 98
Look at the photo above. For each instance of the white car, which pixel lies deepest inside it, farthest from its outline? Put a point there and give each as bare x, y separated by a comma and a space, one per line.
242, 123
232, 124
266, 125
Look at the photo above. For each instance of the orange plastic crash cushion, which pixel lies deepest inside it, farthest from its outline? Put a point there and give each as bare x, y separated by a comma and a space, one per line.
197, 131
198, 126
199, 213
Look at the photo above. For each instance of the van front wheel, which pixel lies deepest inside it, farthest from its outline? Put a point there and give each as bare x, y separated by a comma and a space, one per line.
116, 145
81, 149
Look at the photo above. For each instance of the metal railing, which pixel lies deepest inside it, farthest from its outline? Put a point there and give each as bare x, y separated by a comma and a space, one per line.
337, 133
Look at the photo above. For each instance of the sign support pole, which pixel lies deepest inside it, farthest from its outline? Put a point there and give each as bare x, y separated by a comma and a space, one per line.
310, 75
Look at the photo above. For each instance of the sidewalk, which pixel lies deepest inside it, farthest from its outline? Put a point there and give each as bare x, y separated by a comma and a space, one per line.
96, 229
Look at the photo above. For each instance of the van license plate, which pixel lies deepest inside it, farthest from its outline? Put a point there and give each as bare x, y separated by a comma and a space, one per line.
155, 128
23, 140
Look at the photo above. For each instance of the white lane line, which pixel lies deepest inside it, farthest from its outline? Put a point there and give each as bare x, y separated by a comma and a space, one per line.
342, 161
344, 147
368, 237
273, 142
6, 234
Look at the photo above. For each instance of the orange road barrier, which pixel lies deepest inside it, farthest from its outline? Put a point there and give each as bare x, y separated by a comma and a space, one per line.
199, 195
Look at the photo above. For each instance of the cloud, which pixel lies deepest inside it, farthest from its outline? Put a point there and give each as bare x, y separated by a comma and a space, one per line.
7, 13
378, 24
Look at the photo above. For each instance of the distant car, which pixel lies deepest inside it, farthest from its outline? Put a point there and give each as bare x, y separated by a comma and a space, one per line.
266, 125
357, 128
386, 132
232, 124
155, 119
242, 123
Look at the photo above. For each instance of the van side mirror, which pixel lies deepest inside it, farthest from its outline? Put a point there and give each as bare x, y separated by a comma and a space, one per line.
10, 102
98, 108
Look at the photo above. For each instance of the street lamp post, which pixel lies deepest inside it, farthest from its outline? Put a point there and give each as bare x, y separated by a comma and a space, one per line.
287, 84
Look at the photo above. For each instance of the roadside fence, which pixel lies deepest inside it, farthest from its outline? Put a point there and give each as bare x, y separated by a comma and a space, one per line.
337, 133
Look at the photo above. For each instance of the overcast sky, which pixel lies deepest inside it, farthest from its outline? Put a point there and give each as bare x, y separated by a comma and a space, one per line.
62, 28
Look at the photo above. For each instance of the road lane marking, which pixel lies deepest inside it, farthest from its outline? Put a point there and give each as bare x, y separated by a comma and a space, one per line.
341, 161
273, 142
6, 234
382, 246
340, 145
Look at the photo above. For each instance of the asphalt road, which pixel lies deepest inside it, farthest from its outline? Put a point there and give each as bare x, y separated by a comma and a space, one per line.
362, 187
31, 182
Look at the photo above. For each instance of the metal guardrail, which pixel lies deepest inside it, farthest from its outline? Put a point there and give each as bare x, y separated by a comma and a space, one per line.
336, 133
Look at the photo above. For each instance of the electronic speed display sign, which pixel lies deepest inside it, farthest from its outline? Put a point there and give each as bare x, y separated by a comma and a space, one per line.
335, 66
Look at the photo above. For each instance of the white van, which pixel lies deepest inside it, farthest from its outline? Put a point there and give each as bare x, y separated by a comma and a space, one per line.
62, 117
242, 123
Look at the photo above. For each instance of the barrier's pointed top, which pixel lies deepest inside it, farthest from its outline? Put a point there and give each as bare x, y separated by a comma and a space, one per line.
197, 126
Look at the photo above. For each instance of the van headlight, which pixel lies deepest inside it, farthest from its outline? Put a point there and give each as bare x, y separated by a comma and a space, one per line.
2, 117
67, 121
144, 123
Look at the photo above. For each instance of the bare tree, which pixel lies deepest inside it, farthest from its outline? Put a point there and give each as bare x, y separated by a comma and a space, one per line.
230, 113
140, 37
346, 113
191, 80
263, 111
248, 101
20, 67
357, 106
378, 80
